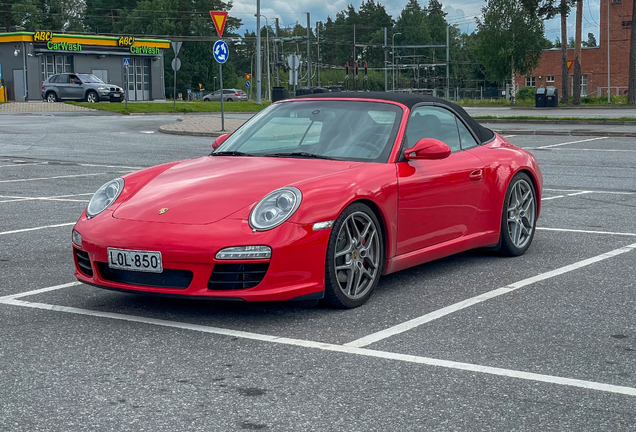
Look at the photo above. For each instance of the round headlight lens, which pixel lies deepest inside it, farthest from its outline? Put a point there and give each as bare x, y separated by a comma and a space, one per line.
104, 197
275, 208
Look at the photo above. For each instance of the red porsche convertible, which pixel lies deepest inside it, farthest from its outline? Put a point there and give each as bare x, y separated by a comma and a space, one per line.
313, 198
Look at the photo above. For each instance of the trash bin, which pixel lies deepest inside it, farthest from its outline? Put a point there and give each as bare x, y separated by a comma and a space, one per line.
279, 93
539, 98
552, 97
303, 91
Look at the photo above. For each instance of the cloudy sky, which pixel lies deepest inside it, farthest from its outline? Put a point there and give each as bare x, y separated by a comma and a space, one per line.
460, 13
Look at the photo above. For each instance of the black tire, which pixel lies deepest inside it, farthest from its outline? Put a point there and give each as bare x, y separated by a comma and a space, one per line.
92, 97
229, 100
365, 251
509, 246
52, 97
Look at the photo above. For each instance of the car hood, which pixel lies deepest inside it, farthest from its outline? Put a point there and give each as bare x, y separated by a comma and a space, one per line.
205, 190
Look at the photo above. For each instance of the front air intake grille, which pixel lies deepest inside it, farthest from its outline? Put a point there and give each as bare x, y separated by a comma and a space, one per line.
237, 276
168, 279
84, 262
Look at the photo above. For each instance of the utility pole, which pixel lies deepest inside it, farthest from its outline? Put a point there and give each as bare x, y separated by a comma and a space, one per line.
276, 54
447, 60
386, 81
608, 54
354, 46
258, 53
308, 51
318, 54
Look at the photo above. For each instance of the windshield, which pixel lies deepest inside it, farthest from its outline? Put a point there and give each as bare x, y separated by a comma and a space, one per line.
344, 130
88, 78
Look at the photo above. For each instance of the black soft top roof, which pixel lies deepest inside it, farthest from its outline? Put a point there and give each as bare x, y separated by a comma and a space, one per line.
409, 100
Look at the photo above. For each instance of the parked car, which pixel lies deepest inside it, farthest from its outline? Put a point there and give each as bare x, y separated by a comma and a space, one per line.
80, 87
229, 95
315, 197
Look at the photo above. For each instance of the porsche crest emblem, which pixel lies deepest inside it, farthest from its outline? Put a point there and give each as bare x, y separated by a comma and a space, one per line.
163, 210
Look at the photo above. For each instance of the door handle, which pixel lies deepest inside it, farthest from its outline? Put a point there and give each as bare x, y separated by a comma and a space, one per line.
475, 175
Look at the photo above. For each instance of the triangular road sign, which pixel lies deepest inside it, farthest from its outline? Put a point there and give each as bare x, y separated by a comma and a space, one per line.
219, 18
248, 77
570, 63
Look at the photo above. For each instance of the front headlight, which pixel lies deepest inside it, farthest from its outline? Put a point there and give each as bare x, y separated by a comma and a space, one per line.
275, 208
104, 197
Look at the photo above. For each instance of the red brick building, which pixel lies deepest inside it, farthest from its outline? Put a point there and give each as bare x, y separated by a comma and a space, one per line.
593, 60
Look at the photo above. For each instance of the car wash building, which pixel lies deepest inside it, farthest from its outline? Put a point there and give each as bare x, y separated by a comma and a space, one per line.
27, 59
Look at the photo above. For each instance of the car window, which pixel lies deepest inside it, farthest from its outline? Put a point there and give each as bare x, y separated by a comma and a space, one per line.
467, 139
433, 122
345, 130
228, 91
90, 78
53, 79
63, 79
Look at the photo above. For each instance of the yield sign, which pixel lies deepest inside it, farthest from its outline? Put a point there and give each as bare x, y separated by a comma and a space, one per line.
219, 18
570, 63
248, 77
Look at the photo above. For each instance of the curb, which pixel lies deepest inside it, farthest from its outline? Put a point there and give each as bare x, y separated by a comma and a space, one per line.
579, 132
162, 129
608, 122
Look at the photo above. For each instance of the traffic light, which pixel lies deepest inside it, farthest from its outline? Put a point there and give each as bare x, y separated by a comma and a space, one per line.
366, 69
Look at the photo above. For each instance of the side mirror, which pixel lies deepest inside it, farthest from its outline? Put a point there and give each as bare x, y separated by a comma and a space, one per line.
428, 148
219, 140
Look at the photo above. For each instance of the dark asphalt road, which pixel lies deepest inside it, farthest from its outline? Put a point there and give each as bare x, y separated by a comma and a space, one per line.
63, 371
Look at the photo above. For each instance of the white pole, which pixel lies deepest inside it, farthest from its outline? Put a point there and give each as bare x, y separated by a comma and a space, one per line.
258, 52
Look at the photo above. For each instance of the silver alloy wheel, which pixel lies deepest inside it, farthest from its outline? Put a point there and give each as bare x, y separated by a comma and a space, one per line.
51, 97
521, 213
357, 255
91, 97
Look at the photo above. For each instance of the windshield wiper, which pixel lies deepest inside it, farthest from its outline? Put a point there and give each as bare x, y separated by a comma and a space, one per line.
299, 155
230, 153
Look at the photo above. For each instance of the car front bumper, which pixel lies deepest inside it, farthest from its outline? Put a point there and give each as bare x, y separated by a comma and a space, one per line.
296, 269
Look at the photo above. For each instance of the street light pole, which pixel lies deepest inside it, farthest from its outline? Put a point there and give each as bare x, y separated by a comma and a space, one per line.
609, 97
258, 52
269, 84
308, 51
393, 61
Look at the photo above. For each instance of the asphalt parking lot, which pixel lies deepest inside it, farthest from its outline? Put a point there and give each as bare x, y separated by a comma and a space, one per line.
541, 342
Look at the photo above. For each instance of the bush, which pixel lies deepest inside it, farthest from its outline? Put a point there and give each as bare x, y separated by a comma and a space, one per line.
527, 93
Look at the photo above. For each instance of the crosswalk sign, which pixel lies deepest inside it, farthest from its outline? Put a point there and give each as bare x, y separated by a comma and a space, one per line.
219, 19
126, 62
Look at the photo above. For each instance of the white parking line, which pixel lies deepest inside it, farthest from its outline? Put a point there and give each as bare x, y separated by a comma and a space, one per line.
14, 198
586, 231
416, 322
566, 195
51, 178
37, 228
571, 142
38, 291
21, 164
509, 373
590, 191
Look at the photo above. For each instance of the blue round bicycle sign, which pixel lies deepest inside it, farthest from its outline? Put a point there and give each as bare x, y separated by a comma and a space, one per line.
221, 51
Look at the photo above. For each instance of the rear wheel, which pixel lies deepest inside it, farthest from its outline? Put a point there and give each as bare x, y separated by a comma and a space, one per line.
91, 97
229, 100
51, 97
519, 217
355, 256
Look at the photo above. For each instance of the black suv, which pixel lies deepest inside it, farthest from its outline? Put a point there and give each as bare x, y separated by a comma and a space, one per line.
81, 87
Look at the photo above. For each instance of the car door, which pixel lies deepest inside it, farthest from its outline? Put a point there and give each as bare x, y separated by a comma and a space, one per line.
76, 88
438, 199
63, 90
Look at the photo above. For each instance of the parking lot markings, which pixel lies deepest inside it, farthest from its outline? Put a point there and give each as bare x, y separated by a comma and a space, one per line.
52, 178
586, 231
590, 191
38, 291
416, 322
14, 198
509, 373
37, 228
21, 164
571, 142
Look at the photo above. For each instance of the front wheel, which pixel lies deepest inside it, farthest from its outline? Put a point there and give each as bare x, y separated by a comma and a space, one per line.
229, 100
91, 97
519, 216
355, 256
51, 97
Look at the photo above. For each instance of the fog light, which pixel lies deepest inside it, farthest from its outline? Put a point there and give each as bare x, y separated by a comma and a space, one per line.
77, 238
244, 252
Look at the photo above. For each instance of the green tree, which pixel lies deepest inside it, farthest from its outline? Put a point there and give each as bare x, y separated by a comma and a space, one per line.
510, 40
591, 41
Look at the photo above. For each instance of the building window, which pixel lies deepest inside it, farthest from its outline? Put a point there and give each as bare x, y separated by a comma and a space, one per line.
583, 85
55, 64
531, 82
549, 78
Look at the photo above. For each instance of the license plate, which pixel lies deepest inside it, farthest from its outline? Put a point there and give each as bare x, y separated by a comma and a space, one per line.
143, 261
116, 94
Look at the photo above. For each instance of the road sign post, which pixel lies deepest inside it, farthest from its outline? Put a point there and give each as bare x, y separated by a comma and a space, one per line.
126, 61
176, 65
221, 53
